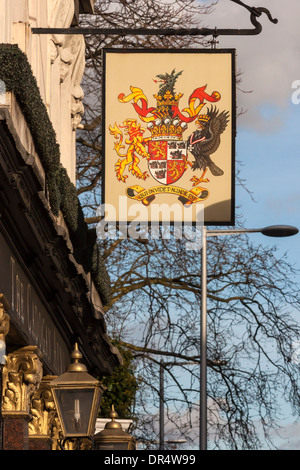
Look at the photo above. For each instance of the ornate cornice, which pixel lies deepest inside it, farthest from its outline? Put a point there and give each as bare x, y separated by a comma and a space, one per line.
16, 73
67, 266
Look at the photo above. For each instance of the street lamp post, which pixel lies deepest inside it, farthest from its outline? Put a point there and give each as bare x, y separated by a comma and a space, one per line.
270, 231
161, 408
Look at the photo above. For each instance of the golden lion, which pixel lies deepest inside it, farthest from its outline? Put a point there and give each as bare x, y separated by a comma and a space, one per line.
137, 145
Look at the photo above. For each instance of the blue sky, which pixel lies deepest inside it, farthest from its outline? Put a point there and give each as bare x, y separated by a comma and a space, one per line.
268, 142
271, 166
268, 138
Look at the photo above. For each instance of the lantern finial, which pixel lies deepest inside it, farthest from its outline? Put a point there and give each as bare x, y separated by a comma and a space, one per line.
113, 424
76, 366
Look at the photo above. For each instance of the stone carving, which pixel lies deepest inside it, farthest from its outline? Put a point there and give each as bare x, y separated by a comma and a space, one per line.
22, 375
66, 59
72, 65
61, 15
71, 50
77, 108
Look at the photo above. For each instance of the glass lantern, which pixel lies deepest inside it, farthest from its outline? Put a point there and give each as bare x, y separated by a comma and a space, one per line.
77, 399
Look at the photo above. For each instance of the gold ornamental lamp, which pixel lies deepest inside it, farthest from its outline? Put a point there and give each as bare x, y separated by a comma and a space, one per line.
112, 437
77, 399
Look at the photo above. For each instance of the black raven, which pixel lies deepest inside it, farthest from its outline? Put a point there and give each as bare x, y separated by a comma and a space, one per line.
206, 140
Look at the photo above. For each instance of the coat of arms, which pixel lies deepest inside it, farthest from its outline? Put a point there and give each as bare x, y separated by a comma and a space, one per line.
161, 143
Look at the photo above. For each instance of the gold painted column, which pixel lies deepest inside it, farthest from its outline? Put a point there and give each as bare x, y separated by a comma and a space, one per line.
4, 329
22, 375
4, 322
44, 426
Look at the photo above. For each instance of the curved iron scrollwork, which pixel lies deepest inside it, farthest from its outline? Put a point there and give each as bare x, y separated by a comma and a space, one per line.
255, 13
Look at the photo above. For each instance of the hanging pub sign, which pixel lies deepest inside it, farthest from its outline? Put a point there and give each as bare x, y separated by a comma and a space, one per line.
169, 135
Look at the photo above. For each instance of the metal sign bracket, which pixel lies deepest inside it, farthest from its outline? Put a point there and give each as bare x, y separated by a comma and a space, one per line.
255, 13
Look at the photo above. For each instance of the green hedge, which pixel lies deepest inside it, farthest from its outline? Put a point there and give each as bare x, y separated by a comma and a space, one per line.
121, 387
16, 73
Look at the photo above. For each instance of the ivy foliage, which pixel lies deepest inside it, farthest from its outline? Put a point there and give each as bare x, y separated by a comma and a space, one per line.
16, 73
121, 388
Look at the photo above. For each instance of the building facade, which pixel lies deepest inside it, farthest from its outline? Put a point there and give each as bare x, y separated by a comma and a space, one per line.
53, 283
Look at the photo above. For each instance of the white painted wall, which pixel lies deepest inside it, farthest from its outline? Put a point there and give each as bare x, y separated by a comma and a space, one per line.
57, 62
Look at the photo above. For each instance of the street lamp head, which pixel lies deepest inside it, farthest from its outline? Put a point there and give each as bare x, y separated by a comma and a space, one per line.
112, 437
77, 399
279, 231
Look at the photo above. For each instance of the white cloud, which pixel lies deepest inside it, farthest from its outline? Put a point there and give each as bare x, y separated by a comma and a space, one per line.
269, 62
290, 437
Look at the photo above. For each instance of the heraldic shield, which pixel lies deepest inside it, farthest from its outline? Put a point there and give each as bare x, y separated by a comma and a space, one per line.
167, 160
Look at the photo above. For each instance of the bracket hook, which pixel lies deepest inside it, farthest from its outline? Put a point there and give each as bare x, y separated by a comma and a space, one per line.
256, 12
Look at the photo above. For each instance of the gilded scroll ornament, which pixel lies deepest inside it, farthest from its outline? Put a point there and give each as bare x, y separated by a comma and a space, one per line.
4, 317
4, 327
42, 410
22, 375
